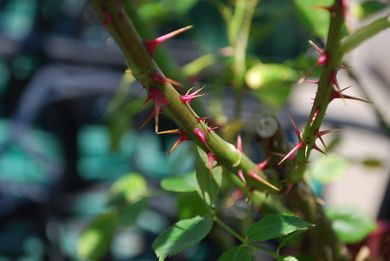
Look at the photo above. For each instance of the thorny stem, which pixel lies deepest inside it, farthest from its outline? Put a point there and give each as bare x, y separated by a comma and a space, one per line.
241, 238
322, 242
145, 70
324, 92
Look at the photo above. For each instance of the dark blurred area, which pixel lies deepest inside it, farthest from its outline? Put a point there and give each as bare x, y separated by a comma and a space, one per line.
57, 74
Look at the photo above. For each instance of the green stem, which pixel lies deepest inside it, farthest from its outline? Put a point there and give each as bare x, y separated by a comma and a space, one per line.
364, 33
238, 36
324, 91
242, 239
144, 69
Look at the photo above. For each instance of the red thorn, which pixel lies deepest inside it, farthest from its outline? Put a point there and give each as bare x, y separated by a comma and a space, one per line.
198, 132
333, 80
318, 149
239, 143
288, 155
212, 128
211, 158
315, 114
182, 137
297, 132
174, 83
236, 195
188, 97
159, 100
291, 157
315, 82
344, 66
151, 116
262, 165
338, 94
158, 78
255, 175
201, 119
240, 174
151, 45
323, 60
107, 17
319, 135
161, 80
149, 98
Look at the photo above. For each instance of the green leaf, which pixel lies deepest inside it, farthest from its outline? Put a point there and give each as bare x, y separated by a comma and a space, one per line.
128, 189
286, 258
209, 183
262, 75
329, 168
95, 240
272, 226
186, 183
190, 205
291, 237
351, 224
236, 254
181, 236
129, 214
316, 19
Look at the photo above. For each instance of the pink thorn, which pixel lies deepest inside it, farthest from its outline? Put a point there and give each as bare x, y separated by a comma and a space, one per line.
344, 66
182, 137
238, 194
262, 165
212, 128
239, 143
107, 17
292, 157
151, 116
188, 97
159, 100
297, 132
241, 175
318, 149
149, 98
315, 114
151, 45
158, 78
198, 132
333, 80
288, 155
315, 82
338, 94
323, 59
255, 175
161, 80
211, 160
201, 119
